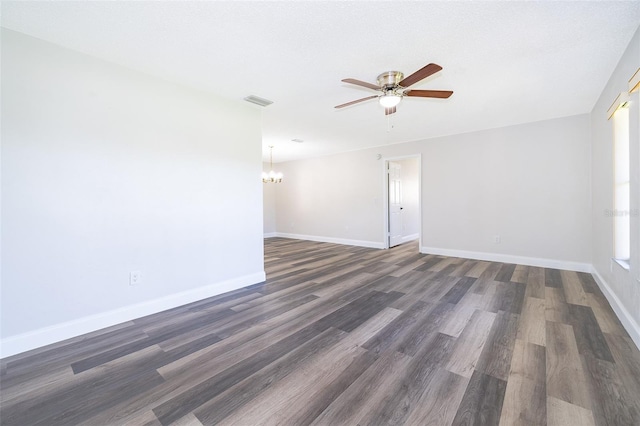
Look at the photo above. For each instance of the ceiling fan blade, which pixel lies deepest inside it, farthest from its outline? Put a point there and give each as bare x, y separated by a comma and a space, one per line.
388, 111
443, 94
356, 101
422, 73
361, 83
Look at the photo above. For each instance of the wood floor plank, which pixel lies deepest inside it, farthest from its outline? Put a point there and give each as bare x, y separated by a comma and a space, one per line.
588, 334
402, 399
443, 263
288, 294
532, 325
556, 309
333, 287
343, 335
190, 400
566, 379
470, 344
552, 278
218, 408
308, 406
627, 361
505, 273
616, 405
254, 316
607, 320
458, 290
477, 269
406, 269
509, 297
448, 270
365, 394
346, 355
273, 407
424, 329
562, 413
489, 274
27, 366
573, 290
188, 420
373, 326
482, 401
223, 356
589, 284
535, 283
438, 288
429, 263
359, 311
463, 269
149, 419
73, 404
223, 302
520, 274
401, 325
488, 295
439, 403
35, 387
495, 359
406, 283
416, 292
250, 341
457, 318
526, 393
340, 273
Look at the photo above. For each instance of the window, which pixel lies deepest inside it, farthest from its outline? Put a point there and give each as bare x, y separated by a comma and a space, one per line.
622, 190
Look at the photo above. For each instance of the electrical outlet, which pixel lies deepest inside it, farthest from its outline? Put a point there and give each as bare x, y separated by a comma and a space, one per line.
496, 239
135, 277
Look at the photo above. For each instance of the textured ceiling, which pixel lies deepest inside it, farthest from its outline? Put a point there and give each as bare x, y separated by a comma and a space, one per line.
507, 62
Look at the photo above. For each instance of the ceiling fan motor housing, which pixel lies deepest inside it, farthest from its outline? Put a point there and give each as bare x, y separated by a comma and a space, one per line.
390, 79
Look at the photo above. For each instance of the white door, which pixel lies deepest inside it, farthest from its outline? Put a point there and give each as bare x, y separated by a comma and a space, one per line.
395, 203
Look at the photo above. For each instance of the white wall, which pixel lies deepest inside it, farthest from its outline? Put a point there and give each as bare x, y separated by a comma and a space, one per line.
621, 286
269, 204
529, 184
106, 171
337, 198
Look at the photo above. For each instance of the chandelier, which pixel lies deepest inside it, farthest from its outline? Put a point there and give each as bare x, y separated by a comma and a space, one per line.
272, 176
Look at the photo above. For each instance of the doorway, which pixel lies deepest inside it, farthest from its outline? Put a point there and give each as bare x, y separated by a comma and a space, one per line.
402, 205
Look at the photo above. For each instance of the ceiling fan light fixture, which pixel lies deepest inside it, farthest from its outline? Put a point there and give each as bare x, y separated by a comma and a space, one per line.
394, 86
389, 100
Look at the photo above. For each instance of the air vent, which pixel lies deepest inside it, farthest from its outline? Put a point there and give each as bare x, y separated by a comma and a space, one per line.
258, 100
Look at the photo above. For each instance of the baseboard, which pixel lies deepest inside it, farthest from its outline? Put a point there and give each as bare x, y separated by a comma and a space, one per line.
270, 235
411, 237
359, 243
507, 258
621, 312
34, 339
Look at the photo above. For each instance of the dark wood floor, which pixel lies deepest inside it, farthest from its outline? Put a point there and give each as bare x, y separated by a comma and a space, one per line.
342, 335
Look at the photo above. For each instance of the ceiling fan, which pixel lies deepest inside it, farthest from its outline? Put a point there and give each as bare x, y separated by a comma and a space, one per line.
394, 86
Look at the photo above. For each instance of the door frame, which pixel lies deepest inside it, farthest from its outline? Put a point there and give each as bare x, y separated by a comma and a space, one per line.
385, 197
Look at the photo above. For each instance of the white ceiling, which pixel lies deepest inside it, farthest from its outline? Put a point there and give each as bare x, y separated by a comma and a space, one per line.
507, 62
